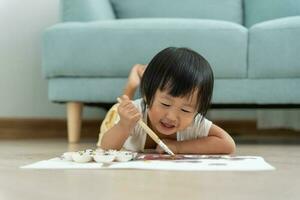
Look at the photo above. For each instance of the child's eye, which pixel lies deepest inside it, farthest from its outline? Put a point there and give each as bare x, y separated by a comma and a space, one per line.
166, 105
186, 111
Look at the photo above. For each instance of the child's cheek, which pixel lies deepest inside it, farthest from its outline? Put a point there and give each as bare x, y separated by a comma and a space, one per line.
154, 113
155, 116
186, 122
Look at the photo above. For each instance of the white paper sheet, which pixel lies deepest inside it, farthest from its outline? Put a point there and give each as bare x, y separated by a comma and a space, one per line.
208, 163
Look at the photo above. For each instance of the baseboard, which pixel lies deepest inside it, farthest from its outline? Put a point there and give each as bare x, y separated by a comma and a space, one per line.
18, 128
246, 132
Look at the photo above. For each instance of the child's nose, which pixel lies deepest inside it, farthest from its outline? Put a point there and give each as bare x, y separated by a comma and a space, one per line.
171, 115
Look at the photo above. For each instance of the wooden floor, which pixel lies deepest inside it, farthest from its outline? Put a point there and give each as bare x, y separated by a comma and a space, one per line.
243, 130
15, 183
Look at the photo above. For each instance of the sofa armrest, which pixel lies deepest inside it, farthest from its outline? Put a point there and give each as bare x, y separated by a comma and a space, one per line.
86, 10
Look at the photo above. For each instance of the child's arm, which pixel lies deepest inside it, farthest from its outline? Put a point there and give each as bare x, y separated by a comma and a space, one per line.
134, 80
115, 137
218, 141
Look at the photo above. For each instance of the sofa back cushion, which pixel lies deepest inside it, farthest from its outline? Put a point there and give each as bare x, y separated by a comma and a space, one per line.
227, 10
86, 10
262, 10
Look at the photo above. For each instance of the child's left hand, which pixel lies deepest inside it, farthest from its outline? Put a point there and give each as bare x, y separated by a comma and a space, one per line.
172, 144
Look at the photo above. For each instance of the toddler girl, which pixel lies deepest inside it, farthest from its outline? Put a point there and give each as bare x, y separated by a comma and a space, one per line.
176, 89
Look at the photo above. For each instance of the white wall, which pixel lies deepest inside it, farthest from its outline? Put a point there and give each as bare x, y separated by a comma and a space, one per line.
23, 90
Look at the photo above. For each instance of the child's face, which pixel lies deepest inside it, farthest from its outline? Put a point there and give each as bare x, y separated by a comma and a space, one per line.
170, 114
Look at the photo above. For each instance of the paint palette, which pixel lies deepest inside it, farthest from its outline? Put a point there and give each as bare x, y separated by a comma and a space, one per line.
99, 155
82, 157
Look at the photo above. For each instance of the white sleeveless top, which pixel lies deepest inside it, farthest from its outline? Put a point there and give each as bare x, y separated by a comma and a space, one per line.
137, 139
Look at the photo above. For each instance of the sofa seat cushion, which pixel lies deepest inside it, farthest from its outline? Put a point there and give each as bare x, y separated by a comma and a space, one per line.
257, 91
90, 90
229, 10
110, 48
274, 49
226, 91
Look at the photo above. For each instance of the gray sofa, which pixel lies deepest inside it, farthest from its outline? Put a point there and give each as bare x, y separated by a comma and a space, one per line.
252, 45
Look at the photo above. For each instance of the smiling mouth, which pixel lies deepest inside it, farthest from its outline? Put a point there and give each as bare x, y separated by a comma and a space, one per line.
166, 125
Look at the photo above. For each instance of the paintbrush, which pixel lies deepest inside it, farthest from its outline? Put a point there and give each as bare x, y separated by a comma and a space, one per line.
153, 135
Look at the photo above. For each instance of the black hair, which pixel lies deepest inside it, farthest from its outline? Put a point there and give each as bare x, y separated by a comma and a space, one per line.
180, 72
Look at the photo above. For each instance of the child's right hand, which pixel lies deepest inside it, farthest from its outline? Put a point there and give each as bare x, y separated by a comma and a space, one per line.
129, 114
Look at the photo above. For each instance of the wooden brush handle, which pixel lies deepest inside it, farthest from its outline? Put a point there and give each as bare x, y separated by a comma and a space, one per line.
149, 131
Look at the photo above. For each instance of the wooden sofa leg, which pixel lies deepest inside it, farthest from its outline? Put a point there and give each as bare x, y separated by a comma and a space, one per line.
74, 112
